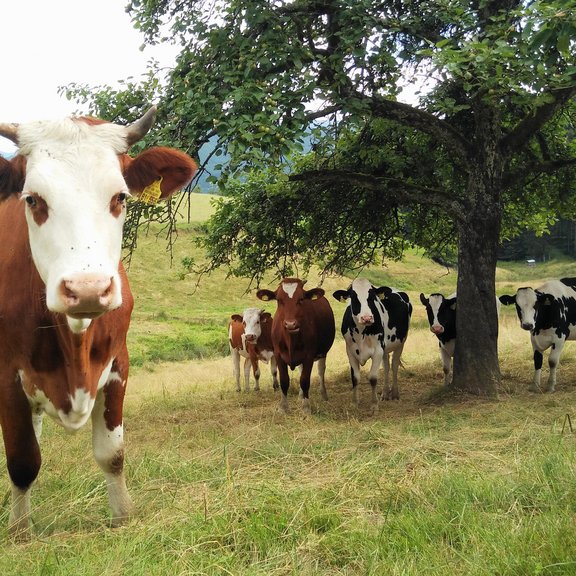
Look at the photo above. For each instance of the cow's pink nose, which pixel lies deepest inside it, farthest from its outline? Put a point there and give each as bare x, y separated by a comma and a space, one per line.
437, 329
88, 295
291, 325
251, 337
367, 319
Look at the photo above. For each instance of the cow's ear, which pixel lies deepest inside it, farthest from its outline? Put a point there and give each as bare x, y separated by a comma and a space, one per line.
383, 292
266, 295
341, 296
314, 294
545, 299
507, 300
265, 316
237, 317
423, 299
157, 173
452, 303
12, 176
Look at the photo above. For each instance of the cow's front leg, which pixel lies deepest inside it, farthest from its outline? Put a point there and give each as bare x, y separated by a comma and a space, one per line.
321, 373
108, 445
284, 384
553, 361
354, 373
446, 365
373, 379
396, 360
305, 386
236, 367
247, 366
386, 391
538, 358
274, 373
22, 457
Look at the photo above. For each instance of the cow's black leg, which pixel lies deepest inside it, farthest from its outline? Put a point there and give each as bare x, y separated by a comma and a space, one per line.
305, 386
538, 358
22, 456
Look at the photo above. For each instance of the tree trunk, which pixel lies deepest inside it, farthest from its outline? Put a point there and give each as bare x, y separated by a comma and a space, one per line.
476, 367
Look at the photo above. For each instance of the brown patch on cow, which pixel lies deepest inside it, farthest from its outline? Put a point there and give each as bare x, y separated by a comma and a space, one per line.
38, 208
12, 176
118, 204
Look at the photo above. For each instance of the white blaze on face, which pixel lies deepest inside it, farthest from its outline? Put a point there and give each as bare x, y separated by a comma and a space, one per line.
289, 288
361, 310
435, 301
526, 302
252, 328
73, 179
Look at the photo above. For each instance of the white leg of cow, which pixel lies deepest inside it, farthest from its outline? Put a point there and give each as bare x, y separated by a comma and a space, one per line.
274, 372
446, 366
396, 361
553, 361
108, 449
386, 389
236, 367
19, 521
354, 374
321, 373
373, 379
247, 366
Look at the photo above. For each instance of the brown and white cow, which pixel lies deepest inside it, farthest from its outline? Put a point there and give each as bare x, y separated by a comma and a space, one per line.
303, 331
250, 337
65, 301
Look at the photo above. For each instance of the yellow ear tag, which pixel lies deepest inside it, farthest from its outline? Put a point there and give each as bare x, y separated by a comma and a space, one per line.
264, 297
151, 194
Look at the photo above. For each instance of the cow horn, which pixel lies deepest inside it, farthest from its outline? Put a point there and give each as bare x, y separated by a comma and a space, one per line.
9, 131
137, 130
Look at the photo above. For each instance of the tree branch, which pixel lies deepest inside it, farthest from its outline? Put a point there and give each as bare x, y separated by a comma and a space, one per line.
404, 193
525, 129
525, 172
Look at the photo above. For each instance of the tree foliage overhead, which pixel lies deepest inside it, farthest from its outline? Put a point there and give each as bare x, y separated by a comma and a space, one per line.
483, 153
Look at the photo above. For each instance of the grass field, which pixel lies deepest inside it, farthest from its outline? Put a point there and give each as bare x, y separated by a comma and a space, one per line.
225, 484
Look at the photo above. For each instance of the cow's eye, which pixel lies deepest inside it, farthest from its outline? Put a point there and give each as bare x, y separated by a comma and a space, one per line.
122, 197
31, 200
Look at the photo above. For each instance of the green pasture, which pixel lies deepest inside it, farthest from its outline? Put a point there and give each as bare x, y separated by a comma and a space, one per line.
224, 484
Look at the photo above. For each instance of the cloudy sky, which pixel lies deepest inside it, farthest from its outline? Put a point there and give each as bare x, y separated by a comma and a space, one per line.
44, 45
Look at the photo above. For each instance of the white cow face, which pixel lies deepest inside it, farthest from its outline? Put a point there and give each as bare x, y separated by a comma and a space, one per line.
75, 208
526, 299
251, 321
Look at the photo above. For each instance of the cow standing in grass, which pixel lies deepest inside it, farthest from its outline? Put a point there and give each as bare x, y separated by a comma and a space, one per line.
250, 337
375, 325
549, 314
441, 312
65, 301
303, 332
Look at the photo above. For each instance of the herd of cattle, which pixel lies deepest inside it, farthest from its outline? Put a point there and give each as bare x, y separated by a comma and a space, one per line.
375, 327
65, 300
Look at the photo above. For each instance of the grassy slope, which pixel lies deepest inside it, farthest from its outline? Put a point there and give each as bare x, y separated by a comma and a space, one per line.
225, 485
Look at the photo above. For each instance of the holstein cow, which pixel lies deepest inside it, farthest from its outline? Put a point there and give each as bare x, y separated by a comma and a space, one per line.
549, 313
65, 302
441, 313
250, 336
375, 325
303, 331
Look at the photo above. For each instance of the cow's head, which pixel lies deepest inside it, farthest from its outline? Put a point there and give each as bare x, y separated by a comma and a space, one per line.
364, 300
252, 320
73, 177
525, 300
441, 311
290, 296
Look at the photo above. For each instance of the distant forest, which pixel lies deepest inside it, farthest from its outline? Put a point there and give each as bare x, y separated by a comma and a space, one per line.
560, 241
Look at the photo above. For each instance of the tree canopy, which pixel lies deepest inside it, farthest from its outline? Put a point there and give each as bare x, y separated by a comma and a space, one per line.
483, 150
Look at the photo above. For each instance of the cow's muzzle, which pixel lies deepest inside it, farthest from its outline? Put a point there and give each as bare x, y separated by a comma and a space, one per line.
292, 326
437, 329
88, 295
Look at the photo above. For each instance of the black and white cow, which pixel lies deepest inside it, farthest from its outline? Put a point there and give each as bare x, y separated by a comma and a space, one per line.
549, 313
375, 325
442, 319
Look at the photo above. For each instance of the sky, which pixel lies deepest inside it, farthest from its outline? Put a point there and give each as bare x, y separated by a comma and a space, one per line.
44, 45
